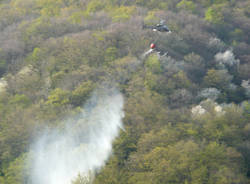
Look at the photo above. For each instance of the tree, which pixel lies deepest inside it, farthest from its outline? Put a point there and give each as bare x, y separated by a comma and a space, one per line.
83, 179
81, 93
219, 79
122, 13
58, 97
18, 171
186, 5
3, 67
214, 14
194, 67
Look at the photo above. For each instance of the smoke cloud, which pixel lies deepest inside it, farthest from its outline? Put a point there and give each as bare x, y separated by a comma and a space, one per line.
82, 143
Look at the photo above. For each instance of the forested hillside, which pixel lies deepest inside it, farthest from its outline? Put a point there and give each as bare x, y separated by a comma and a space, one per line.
187, 114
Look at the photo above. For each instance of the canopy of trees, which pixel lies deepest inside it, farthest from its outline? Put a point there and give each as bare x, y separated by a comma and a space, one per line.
187, 114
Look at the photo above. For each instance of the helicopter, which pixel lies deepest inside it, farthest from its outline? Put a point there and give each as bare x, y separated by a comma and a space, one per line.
161, 27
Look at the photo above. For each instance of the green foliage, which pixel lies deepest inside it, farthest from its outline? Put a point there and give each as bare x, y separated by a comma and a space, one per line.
17, 171
153, 4
82, 179
184, 162
237, 34
110, 54
56, 78
212, 2
247, 110
54, 53
36, 55
123, 147
214, 14
94, 6
81, 93
77, 17
217, 78
195, 67
20, 100
3, 67
101, 36
151, 18
151, 81
24, 7
58, 97
153, 64
181, 80
186, 5
35, 31
122, 13
50, 7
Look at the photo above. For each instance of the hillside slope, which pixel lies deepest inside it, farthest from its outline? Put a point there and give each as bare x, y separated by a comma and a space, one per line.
187, 114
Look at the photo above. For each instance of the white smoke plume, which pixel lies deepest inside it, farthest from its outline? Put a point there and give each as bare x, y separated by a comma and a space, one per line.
82, 144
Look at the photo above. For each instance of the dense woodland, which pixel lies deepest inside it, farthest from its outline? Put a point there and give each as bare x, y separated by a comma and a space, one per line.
187, 114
